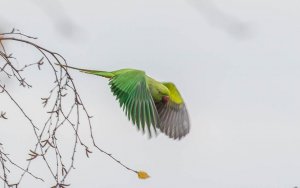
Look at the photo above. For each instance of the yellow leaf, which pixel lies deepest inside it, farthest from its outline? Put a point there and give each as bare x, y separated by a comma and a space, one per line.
143, 175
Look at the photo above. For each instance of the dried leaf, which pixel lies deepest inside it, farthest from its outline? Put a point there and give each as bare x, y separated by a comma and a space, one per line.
143, 175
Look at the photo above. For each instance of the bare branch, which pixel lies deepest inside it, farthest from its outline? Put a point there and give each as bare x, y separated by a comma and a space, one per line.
59, 114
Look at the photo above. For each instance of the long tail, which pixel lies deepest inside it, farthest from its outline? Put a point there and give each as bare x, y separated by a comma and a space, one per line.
88, 71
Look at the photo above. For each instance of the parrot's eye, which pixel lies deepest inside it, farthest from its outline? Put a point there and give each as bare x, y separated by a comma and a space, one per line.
165, 99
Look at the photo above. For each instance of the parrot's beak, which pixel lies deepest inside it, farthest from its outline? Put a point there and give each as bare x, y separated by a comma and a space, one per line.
165, 99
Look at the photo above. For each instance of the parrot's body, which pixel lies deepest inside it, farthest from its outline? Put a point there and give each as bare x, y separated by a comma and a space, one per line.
147, 102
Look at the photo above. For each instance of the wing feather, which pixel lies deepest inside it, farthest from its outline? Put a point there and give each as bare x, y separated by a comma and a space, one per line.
173, 115
132, 92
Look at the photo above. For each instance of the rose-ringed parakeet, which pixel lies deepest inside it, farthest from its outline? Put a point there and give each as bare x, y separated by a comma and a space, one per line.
148, 103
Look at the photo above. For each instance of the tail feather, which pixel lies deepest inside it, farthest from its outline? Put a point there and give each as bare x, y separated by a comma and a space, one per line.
88, 71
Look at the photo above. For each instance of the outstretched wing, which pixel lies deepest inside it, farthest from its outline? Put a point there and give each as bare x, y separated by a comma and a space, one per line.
174, 118
132, 91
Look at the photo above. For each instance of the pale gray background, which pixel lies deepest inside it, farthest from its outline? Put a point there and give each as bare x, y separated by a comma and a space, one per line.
237, 64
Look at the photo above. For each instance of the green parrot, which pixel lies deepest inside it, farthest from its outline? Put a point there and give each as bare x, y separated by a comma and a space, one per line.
147, 103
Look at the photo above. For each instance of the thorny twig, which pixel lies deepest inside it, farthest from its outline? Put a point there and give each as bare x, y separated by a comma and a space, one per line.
59, 114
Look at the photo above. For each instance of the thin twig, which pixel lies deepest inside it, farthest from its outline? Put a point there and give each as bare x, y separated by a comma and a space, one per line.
60, 113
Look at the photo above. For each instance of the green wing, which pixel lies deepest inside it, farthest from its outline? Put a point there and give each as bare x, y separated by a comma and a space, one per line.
174, 118
132, 91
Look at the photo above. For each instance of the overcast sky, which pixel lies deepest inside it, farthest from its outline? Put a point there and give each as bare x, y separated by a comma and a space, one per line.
236, 63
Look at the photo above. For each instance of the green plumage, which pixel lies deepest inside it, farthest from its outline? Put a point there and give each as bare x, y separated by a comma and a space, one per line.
132, 91
149, 104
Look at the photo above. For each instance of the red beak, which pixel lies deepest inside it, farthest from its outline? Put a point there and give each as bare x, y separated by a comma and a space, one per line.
165, 99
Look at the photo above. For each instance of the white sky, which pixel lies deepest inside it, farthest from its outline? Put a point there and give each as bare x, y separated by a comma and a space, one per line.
241, 88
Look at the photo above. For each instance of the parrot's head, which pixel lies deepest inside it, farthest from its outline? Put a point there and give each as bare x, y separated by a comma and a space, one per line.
163, 94
159, 91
